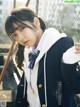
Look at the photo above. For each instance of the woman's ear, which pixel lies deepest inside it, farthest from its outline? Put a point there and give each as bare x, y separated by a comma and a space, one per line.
36, 22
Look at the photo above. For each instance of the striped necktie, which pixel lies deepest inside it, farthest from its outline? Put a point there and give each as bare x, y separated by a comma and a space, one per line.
32, 58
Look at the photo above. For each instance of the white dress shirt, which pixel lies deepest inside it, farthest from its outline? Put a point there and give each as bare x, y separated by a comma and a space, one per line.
32, 90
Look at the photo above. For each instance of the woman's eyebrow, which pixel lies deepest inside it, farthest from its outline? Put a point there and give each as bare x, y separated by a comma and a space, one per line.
16, 28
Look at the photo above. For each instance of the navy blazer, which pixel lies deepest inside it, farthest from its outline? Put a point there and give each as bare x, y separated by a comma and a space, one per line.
56, 71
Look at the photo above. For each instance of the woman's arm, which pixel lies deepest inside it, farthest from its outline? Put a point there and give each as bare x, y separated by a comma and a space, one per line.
70, 68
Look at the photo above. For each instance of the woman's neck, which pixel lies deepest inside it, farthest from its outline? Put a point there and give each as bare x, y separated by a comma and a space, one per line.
39, 37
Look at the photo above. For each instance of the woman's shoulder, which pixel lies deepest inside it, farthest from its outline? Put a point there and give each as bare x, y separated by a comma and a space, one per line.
68, 40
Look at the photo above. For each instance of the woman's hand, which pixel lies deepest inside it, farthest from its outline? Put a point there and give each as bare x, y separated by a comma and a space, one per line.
77, 47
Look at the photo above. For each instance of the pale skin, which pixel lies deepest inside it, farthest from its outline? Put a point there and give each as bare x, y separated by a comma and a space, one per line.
77, 47
26, 36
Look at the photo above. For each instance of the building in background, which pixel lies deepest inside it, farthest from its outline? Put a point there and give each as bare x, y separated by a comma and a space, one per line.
5, 5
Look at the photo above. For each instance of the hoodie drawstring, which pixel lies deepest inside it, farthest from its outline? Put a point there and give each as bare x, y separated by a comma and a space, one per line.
45, 79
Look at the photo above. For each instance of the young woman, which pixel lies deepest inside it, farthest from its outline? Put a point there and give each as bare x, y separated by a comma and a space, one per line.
49, 79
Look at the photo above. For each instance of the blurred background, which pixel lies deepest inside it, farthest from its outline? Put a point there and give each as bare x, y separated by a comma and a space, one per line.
64, 16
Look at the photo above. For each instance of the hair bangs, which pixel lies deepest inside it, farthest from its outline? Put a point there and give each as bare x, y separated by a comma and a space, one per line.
10, 24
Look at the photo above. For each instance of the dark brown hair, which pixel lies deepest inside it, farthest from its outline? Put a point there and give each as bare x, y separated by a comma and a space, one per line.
18, 17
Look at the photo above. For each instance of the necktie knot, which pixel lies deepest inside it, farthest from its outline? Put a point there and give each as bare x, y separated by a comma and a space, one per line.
32, 58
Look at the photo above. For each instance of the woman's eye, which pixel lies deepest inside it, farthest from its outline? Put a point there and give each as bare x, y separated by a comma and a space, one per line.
14, 35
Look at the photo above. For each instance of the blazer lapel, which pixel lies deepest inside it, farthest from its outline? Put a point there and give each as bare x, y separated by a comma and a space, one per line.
41, 67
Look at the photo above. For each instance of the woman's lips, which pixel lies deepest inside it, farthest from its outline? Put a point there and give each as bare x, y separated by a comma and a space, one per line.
25, 42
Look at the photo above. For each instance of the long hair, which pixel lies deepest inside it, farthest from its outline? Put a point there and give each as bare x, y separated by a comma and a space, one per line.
19, 16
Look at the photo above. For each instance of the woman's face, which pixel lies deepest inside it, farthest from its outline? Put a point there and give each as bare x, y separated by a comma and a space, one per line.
25, 36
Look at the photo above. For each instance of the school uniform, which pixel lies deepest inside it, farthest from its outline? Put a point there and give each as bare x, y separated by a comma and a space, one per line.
46, 84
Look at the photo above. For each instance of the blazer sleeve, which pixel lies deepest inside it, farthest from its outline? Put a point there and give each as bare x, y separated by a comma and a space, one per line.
21, 99
71, 76
70, 72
